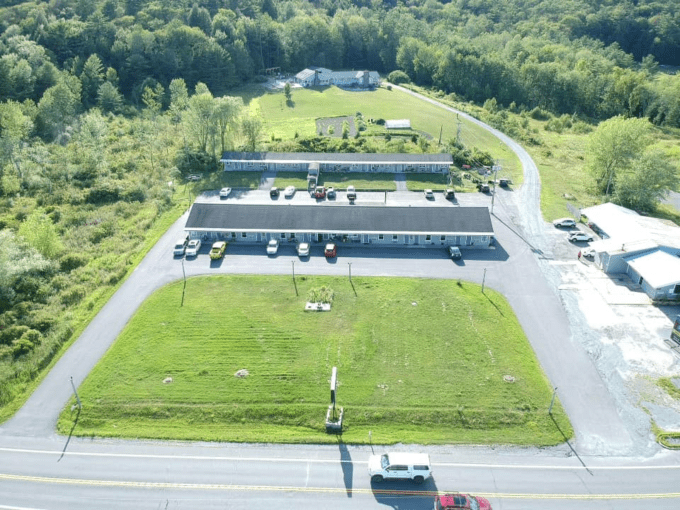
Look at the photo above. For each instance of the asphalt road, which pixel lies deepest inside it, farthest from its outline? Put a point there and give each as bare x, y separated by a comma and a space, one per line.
592, 471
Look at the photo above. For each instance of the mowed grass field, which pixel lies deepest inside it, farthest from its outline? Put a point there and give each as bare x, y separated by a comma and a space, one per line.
419, 361
284, 121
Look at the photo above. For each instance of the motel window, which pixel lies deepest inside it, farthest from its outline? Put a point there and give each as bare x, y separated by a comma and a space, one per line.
395, 238
676, 289
292, 236
485, 239
442, 238
244, 234
381, 236
428, 238
233, 235
283, 235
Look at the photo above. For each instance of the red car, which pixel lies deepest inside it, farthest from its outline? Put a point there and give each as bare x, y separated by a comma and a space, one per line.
330, 251
461, 502
320, 192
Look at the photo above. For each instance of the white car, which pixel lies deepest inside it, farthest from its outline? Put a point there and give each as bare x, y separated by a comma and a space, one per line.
429, 194
180, 246
588, 252
303, 249
272, 246
580, 236
193, 247
564, 222
224, 192
351, 192
289, 192
399, 466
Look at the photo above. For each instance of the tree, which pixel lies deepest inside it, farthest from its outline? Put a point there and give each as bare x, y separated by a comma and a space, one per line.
39, 232
199, 117
108, 98
92, 78
251, 128
58, 106
15, 128
287, 93
613, 147
647, 182
226, 112
179, 98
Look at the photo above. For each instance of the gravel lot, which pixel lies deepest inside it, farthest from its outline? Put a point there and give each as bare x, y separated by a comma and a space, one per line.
627, 338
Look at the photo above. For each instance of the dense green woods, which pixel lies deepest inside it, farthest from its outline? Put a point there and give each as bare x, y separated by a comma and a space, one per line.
592, 58
106, 104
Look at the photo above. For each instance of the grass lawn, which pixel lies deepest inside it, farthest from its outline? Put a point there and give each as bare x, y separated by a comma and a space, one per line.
283, 121
419, 361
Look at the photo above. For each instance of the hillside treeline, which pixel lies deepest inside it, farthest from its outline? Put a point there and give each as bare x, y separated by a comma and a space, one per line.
592, 58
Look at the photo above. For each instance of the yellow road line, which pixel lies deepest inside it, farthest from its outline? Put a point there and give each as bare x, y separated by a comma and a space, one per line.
331, 490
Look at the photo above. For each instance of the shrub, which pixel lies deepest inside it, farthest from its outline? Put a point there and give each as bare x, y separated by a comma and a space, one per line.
398, 77
539, 114
71, 261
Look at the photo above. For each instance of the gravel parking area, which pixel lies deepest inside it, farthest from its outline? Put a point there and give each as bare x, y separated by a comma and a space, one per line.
625, 335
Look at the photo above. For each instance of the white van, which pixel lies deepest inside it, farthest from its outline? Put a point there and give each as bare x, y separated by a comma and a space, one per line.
399, 466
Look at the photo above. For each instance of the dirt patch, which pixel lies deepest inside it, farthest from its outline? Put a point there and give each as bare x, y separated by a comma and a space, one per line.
323, 124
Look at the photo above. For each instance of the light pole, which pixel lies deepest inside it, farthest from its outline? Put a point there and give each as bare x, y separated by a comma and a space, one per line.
495, 176
350, 271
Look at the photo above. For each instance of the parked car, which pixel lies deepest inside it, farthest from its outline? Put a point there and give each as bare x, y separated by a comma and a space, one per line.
588, 252
224, 192
289, 191
580, 236
274, 192
564, 222
319, 192
504, 183
194, 177
181, 246
484, 188
454, 252
303, 249
351, 193
450, 194
193, 247
330, 192
331, 250
399, 466
460, 502
272, 246
217, 250
429, 194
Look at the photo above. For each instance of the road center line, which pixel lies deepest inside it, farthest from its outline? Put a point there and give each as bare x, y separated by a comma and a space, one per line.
266, 488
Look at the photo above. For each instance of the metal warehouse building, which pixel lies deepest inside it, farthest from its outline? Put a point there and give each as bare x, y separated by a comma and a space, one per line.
362, 225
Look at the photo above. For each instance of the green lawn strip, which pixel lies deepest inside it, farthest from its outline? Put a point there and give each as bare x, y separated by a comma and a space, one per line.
419, 182
419, 361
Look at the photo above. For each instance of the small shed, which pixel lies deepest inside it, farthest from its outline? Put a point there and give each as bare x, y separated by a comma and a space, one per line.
398, 124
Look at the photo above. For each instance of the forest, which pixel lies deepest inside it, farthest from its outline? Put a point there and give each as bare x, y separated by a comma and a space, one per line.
105, 105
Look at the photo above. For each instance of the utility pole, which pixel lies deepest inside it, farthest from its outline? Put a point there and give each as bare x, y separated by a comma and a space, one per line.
552, 401
483, 280
495, 178
350, 271
80, 405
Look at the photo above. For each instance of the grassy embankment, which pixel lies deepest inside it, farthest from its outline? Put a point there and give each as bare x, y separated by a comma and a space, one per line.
419, 361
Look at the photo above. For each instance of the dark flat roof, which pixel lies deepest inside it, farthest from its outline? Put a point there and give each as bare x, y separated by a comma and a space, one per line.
336, 157
350, 219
